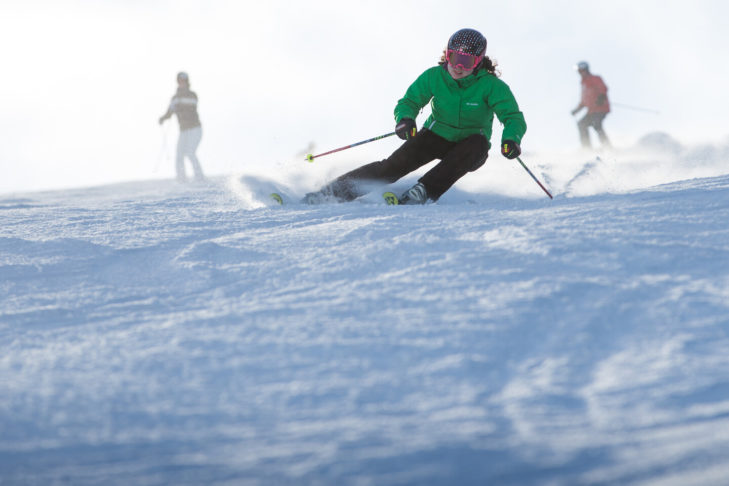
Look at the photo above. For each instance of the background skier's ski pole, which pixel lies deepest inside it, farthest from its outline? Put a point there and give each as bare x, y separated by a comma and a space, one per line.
535, 179
163, 149
636, 108
311, 158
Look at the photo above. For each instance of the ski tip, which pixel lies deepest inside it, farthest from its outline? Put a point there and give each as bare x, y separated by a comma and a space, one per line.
391, 199
277, 197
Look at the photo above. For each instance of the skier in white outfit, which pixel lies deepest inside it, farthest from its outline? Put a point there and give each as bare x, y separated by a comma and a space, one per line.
184, 105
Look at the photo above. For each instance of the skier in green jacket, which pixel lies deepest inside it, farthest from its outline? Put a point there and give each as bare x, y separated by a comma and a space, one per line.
465, 93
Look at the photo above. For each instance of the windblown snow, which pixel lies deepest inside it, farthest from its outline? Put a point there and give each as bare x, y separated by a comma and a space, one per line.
158, 333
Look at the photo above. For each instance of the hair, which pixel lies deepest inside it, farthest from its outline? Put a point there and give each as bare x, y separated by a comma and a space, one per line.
486, 63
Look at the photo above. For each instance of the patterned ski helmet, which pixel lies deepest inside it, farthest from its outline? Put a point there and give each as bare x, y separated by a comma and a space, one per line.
469, 41
582, 66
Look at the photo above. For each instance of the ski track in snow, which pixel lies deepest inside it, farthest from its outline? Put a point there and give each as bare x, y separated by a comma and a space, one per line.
153, 333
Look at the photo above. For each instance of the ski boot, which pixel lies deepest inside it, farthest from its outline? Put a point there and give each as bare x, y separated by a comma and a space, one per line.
415, 195
317, 197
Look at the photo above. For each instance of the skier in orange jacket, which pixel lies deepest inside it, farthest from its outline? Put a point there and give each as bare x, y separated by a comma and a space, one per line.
594, 98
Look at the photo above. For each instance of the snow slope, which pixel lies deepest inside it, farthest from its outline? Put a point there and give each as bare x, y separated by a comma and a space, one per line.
155, 333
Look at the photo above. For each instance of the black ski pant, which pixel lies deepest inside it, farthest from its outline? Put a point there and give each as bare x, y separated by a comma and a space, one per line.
456, 160
593, 120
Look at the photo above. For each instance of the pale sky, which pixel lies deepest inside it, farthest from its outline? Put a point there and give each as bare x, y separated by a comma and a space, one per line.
85, 81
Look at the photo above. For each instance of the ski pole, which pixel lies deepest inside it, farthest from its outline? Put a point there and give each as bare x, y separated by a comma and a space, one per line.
311, 158
535, 179
636, 108
163, 149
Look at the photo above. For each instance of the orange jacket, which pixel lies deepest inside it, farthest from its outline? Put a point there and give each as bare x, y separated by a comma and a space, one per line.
594, 94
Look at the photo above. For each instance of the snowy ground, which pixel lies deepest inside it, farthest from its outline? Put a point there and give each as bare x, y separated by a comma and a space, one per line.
155, 333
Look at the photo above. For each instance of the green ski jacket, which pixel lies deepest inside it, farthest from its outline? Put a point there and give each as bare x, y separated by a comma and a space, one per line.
463, 107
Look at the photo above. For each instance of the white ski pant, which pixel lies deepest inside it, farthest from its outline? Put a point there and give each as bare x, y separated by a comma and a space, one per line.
186, 147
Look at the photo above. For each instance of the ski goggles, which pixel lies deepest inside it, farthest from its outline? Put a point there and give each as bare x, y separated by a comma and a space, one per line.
466, 61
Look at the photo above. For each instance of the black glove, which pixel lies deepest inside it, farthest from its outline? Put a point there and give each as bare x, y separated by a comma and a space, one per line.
510, 149
601, 99
406, 129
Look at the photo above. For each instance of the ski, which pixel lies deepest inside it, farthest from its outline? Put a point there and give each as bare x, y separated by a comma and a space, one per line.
391, 199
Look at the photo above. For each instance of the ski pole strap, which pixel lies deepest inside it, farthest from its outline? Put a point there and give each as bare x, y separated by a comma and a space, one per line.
311, 158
